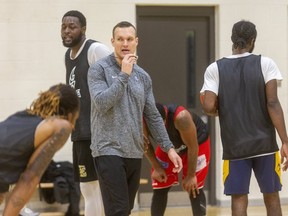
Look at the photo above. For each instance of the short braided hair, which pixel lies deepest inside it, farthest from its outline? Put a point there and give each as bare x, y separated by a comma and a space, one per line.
59, 100
243, 32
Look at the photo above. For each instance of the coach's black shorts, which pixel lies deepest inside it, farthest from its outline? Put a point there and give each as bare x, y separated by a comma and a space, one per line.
84, 170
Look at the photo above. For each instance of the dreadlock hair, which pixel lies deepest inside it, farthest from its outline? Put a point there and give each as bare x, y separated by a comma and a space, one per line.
243, 32
161, 110
59, 100
123, 24
78, 14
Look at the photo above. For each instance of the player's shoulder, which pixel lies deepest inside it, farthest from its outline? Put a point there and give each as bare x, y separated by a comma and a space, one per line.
267, 60
212, 67
182, 113
54, 123
104, 62
97, 44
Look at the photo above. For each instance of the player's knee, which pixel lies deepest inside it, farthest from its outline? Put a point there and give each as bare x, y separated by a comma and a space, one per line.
90, 189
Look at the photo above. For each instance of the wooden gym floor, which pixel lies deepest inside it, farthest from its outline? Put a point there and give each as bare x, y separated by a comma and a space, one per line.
211, 211
186, 211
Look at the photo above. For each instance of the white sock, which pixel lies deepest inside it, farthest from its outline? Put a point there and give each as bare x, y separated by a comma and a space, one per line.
92, 198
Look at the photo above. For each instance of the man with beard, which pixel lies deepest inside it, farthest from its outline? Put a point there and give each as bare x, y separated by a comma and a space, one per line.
80, 55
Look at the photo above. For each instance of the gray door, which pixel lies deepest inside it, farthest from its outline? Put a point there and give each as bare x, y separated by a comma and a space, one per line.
176, 44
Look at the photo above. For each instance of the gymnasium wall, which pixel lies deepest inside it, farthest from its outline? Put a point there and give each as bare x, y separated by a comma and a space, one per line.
32, 55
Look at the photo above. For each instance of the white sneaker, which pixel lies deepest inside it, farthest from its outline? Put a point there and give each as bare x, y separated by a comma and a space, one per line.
28, 212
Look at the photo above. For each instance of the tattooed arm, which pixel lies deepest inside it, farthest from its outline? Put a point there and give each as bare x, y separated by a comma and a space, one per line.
50, 135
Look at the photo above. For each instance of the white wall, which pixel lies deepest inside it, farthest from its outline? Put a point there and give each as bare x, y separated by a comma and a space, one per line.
32, 55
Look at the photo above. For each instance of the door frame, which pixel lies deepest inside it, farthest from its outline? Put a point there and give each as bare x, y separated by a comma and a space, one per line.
209, 14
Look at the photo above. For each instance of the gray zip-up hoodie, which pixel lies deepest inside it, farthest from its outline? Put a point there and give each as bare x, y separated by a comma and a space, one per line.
118, 104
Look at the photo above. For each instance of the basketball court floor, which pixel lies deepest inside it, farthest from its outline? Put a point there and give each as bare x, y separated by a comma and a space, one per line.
211, 211
186, 211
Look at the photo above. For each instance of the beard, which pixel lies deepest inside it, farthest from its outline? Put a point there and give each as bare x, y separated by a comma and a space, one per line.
74, 42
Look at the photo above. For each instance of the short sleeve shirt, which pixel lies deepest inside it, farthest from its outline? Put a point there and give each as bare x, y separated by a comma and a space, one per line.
211, 77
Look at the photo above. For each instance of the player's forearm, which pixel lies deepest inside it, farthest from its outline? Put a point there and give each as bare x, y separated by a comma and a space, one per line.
192, 162
20, 194
150, 155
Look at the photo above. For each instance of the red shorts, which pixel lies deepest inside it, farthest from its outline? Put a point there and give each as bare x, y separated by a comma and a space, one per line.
172, 178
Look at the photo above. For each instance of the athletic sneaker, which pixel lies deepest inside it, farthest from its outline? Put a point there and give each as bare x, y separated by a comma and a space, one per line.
28, 212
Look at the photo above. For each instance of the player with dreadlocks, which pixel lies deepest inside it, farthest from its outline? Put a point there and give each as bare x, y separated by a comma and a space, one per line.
28, 141
242, 90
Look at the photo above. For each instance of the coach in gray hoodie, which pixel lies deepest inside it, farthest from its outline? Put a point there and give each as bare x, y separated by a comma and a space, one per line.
121, 95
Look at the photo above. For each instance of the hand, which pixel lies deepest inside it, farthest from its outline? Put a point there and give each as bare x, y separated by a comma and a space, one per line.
159, 175
284, 156
127, 63
190, 185
176, 160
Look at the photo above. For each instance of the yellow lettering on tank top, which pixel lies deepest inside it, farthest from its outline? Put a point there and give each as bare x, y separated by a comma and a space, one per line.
82, 171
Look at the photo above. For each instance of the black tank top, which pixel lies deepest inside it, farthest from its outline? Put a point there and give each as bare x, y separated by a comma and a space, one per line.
246, 127
76, 77
174, 135
16, 145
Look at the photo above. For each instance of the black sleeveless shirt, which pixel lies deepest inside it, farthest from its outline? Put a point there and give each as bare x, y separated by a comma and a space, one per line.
174, 135
246, 127
76, 77
16, 145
